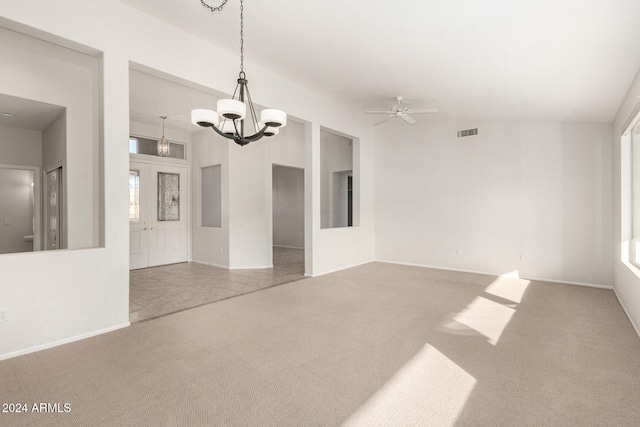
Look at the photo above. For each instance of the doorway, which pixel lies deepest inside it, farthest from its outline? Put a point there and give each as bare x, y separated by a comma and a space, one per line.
342, 201
288, 219
158, 215
20, 209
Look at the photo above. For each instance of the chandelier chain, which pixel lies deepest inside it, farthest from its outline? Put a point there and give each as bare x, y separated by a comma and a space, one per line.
241, 36
213, 9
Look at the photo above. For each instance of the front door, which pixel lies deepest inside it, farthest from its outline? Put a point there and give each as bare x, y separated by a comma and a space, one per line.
157, 214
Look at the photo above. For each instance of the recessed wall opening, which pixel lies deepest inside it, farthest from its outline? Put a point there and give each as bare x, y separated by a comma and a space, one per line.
339, 195
50, 126
211, 186
33, 145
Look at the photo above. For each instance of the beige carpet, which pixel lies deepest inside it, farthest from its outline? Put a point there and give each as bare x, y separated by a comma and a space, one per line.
377, 345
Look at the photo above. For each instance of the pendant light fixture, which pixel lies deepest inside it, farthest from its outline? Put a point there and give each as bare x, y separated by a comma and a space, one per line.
230, 121
163, 143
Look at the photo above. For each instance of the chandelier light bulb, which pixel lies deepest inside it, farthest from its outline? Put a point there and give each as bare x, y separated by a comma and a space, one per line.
232, 109
204, 118
273, 118
228, 127
269, 131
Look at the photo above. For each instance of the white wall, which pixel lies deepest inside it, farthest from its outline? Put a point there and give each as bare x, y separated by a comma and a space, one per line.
288, 207
20, 147
55, 296
16, 193
627, 276
537, 190
210, 245
59, 296
54, 143
248, 207
287, 148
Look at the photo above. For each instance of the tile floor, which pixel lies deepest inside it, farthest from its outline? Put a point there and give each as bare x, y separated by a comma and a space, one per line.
156, 291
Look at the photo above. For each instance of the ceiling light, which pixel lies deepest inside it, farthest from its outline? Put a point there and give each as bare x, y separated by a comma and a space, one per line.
163, 143
230, 119
7, 114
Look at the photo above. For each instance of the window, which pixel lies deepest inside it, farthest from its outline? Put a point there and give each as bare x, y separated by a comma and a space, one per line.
140, 145
168, 196
134, 196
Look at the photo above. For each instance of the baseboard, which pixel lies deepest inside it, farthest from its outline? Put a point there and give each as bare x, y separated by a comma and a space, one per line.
212, 264
287, 247
251, 267
626, 312
488, 273
567, 282
340, 269
410, 264
61, 342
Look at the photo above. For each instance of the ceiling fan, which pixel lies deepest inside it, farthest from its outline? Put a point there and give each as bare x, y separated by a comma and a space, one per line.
402, 110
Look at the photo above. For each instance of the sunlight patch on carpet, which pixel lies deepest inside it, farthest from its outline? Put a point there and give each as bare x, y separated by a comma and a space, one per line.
429, 390
508, 288
486, 317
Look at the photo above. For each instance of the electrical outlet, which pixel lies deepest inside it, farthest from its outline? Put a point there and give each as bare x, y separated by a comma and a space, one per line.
3, 315
520, 257
458, 251
7, 221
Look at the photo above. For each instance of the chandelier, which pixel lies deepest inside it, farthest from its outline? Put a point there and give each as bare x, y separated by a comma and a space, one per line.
230, 121
163, 143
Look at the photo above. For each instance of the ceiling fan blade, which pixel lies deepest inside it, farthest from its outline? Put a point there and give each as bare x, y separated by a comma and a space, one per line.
379, 112
382, 121
407, 118
422, 110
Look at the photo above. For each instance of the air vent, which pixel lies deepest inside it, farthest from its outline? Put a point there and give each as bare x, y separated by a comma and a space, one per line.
467, 132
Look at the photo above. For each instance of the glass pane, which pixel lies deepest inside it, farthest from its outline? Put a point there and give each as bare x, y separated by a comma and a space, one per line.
150, 147
134, 196
168, 196
176, 151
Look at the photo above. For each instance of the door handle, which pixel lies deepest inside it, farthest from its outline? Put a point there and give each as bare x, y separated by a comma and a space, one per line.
145, 229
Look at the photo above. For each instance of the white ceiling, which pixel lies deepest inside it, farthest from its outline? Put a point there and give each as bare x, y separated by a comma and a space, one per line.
560, 60
151, 97
27, 114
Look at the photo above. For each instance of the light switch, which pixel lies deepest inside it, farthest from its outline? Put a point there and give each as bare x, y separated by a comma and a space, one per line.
7, 221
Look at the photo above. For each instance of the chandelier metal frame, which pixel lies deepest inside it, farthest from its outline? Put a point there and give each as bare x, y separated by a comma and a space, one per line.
229, 119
